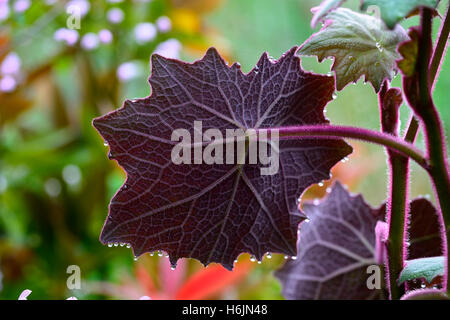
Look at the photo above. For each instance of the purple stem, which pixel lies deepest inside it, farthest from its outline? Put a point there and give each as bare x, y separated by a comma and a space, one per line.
337, 132
419, 95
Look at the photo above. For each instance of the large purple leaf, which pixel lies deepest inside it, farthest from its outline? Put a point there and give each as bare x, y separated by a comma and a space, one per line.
334, 250
215, 212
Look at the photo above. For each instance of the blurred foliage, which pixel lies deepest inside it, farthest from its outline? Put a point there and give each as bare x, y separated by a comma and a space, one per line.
55, 177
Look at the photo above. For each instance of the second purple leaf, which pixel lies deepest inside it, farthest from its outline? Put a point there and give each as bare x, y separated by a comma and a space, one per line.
336, 251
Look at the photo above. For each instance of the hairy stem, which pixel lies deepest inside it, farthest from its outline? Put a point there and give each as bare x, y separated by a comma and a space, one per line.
440, 48
397, 213
396, 209
434, 133
335, 132
436, 61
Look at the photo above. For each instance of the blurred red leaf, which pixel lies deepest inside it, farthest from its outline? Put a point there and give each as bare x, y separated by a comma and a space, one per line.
212, 280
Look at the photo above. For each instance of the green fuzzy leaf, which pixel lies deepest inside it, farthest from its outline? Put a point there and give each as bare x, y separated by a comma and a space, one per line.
393, 11
360, 45
426, 268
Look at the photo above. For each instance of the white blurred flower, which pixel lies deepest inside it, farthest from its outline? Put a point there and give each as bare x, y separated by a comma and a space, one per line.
52, 187
50, 2
115, 15
71, 174
4, 11
169, 49
105, 36
164, 24
69, 36
10, 64
3, 187
127, 71
21, 5
82, 6
7, 84
144, 32
89, 41
114, 1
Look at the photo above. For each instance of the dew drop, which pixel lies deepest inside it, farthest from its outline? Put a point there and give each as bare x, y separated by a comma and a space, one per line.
328, 190
136, 258
316, 202
235, 261
116, 244
252, 258
110, 156
269, 255
110, 245
306, 220
160, 254
379, 47
105, 144
286, 257
128, 245
330, 74
122, 244
151, 254
172, 268
423, 285
334, 96
259, 261
344, 160
320, 184
294, 258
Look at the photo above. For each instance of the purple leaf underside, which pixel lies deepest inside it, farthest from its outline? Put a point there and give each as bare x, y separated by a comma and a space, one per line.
213, 213
334, 250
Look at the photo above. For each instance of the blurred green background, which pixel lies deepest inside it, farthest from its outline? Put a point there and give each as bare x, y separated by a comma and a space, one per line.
55, 177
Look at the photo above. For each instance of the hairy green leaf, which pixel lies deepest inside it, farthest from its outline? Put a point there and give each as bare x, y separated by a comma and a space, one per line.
360, 46
426, 268
393, 11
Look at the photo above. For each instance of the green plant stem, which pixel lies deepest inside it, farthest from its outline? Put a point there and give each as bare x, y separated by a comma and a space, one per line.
434, 133
397, 213
440, 49
399, 170
397, 202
